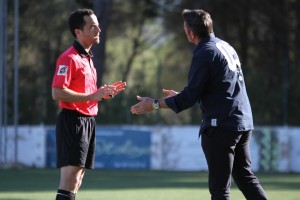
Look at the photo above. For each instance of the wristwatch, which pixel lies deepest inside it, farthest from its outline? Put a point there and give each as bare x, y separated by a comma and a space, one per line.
155, 104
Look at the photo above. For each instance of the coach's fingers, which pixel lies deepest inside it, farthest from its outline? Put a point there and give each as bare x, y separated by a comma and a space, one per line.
134, 108
170, 93
139, 98
167, 92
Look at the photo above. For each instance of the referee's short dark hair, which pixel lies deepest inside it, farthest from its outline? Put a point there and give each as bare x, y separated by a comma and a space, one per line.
76, 19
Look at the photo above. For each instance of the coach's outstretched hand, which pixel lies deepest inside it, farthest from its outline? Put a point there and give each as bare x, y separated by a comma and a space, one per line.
144, 106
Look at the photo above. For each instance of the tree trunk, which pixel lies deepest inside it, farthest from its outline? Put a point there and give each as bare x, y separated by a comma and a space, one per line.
102, 9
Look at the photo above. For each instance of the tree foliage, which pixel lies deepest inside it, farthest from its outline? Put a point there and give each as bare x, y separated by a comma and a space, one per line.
145, 45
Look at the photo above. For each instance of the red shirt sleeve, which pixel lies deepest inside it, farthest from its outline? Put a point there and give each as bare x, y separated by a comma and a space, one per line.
63, 73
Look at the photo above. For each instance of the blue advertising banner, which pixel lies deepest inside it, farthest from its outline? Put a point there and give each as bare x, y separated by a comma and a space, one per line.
115, 148
128, 149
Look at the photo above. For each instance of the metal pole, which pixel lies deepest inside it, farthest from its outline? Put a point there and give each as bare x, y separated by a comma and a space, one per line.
286, 91
16, 74
5, 79
158, 88
1, 75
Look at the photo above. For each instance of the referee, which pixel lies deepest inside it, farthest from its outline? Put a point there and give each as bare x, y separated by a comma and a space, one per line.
75, 87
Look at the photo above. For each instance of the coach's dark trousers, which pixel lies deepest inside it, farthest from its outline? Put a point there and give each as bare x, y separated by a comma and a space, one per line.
227, 154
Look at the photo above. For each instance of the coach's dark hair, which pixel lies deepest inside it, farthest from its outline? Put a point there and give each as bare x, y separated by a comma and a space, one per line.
76, 19
198, 21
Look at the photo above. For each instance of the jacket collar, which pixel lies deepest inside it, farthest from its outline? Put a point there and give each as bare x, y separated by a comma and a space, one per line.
203, 41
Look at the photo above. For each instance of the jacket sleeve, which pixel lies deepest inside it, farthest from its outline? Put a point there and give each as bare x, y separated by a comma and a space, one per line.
197, 79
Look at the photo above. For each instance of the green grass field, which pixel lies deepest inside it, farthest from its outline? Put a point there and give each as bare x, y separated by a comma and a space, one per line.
41, 184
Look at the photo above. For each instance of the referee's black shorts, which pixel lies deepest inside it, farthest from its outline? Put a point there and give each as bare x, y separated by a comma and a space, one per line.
75, 139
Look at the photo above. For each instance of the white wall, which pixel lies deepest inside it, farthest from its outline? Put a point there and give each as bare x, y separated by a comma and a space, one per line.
30, 146
172, 147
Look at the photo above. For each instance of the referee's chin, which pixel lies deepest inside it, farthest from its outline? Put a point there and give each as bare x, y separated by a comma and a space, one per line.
97, 40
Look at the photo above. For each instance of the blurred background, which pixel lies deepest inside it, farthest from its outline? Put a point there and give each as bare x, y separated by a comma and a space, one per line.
143, 43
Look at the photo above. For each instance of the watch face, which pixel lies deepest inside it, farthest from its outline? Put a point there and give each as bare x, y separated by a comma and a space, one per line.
155, 105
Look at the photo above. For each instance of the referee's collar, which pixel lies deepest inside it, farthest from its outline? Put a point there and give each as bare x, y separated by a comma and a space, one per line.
81, 50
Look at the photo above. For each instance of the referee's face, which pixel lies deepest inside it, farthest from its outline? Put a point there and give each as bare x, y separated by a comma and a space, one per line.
90, 34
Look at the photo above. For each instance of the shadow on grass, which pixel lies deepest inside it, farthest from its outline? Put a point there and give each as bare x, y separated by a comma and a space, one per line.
47, 180
14, 199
